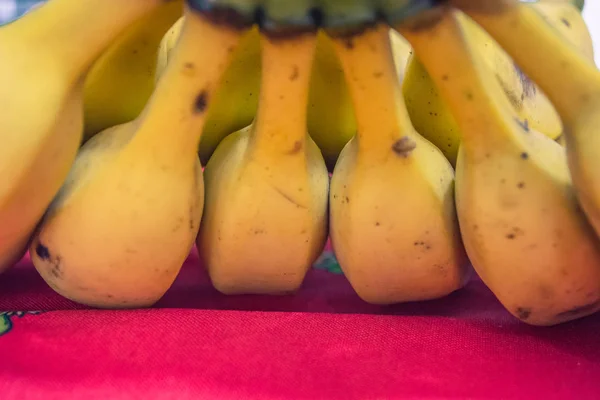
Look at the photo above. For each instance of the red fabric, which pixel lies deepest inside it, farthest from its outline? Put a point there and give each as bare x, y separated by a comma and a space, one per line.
323, 343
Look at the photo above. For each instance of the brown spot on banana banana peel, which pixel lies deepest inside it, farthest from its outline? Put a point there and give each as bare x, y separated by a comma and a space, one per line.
194, 205
523, 313
295, 73
580, 310
529, 88
55, 270
523, 124
192, 225
296, 149
189, 68
177, 225
404, 146
42, 252
55, 262
424, 245
201, 102
515, 100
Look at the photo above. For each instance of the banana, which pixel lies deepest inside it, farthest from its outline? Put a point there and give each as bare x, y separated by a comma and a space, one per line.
430, 114
126, 218
571, 81
122, 79
265, 219
331, 116
165, 47
44, 64
393, 224
566, 17
236, 99
428, 111
401, 51
331, 122
568, 20
519, 218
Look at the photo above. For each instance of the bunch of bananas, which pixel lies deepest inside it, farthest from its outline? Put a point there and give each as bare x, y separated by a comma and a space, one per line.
411, 133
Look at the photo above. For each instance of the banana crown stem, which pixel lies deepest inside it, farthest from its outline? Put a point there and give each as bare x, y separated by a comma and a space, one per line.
280, 125
370, 72
172, 122
283, 15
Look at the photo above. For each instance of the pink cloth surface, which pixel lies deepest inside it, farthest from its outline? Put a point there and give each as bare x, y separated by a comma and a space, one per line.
322, 343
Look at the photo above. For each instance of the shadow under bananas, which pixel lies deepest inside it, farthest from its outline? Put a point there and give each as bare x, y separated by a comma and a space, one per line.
473, 307
22, 289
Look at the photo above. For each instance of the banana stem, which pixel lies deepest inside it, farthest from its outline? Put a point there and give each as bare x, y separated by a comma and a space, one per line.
475, 98
171, 125
381, 115
76, 32
547, 57
280, 125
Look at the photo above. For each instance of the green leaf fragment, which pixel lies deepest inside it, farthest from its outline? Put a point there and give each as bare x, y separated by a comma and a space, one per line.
328, 262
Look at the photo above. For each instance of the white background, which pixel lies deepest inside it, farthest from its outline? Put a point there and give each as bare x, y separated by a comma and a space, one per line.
591, 13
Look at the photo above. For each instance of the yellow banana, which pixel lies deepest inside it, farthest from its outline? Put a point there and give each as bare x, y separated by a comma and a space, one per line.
331, 116
265, 220
569, 78
393, 224
401, 51
566, 17
165, 47
122, 79
125, 220
430, 114
45, 55
330, 119
519, 218
236, 99
428, 111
